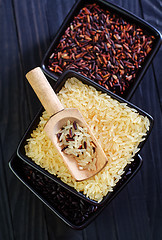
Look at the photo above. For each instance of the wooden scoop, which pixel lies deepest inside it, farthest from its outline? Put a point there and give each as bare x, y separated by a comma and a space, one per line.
58, 119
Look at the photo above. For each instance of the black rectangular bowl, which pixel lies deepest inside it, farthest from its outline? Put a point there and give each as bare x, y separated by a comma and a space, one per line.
126, 15
59, 84
76, 213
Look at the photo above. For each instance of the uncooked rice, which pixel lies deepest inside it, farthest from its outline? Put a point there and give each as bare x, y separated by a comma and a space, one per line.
75, 141
118, 128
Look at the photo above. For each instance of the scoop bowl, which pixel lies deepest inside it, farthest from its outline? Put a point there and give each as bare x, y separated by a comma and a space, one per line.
59, 117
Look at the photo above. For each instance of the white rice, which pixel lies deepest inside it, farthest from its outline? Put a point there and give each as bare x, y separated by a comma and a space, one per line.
117, 127
75, 140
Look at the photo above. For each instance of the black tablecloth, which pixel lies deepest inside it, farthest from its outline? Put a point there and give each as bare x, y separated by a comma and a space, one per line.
26, 29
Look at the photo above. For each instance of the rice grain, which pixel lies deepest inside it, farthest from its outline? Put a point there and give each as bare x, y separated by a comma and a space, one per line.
118, 128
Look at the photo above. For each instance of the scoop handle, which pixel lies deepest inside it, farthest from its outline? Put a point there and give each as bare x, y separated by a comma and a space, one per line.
44, 91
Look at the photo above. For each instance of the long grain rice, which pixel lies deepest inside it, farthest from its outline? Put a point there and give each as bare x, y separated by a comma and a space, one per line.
118, 128
75, 141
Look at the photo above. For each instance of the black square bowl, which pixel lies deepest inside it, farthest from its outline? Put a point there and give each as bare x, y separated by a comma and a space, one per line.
59, 84
73, 210
125, 15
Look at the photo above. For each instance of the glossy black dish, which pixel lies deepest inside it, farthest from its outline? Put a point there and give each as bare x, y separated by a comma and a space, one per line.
74, 211
59, 84
120, 12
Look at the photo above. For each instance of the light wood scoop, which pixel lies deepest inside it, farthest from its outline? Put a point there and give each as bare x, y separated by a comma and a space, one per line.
58, 119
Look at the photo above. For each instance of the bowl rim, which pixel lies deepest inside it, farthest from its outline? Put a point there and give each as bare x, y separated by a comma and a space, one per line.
67, 74
53, 209
119, 10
